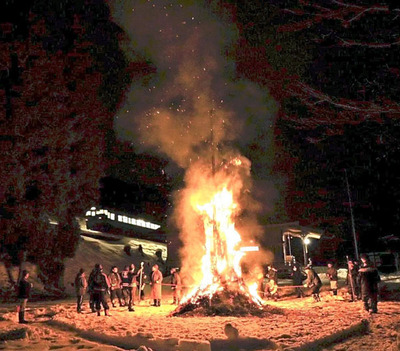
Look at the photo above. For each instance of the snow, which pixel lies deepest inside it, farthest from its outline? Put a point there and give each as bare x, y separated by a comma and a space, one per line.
92, 250
303, 325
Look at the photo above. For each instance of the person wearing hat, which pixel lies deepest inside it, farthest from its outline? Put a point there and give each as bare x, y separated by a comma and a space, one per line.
80, 289
313, 281
369, 279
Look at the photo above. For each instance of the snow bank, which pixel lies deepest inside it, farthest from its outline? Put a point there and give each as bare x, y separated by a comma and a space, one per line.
91, 250
135, 341
108, 253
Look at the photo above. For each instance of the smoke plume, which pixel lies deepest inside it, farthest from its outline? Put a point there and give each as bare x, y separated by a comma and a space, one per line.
194, 108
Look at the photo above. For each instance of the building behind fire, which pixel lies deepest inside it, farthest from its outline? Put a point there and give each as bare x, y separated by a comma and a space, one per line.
135, 211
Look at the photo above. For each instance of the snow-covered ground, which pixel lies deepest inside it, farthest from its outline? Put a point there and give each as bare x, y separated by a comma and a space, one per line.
302, 325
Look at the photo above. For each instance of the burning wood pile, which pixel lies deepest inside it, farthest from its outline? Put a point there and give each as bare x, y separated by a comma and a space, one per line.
226, 301
222, 290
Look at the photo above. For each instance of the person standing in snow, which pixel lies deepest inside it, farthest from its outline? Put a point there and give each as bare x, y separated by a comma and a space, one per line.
100, 285
297, 277
127, 287
156, 280
133, 281
80, 289
331, 273
313, 281
369, 279
24, 293
91, 275
353, 287
176, 286
115, 286
141, 281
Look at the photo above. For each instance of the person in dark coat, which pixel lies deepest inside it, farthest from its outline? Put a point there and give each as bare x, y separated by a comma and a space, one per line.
369, 279
313, 281
297, 277
352, 282
100, 285
127, 282
176, 286
331, 273
24, 293
80, 289
115, 286
156, 281
91, 275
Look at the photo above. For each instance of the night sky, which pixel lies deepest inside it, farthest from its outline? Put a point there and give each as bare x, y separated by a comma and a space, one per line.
303, 91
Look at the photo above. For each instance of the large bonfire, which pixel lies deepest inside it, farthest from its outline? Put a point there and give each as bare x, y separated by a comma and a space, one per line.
221, 288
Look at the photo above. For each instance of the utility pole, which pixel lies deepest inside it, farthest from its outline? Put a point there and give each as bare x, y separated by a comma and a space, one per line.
351, 215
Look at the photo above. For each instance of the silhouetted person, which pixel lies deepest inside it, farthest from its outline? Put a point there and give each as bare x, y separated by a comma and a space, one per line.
24, 293
91, 275
176, 286
80, 289
369, 279
140, 249
99, 286
352, 283
297, 277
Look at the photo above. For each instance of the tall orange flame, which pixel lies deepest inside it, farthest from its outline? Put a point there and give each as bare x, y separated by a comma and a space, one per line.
221, 261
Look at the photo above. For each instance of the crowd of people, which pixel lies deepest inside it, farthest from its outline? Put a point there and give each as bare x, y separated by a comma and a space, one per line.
125, 288
361, 281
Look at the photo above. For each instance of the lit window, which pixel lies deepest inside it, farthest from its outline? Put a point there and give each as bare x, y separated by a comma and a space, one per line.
93, 208
93, 213
112, 215
88, 213
134, 222
119, 218
125, 219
